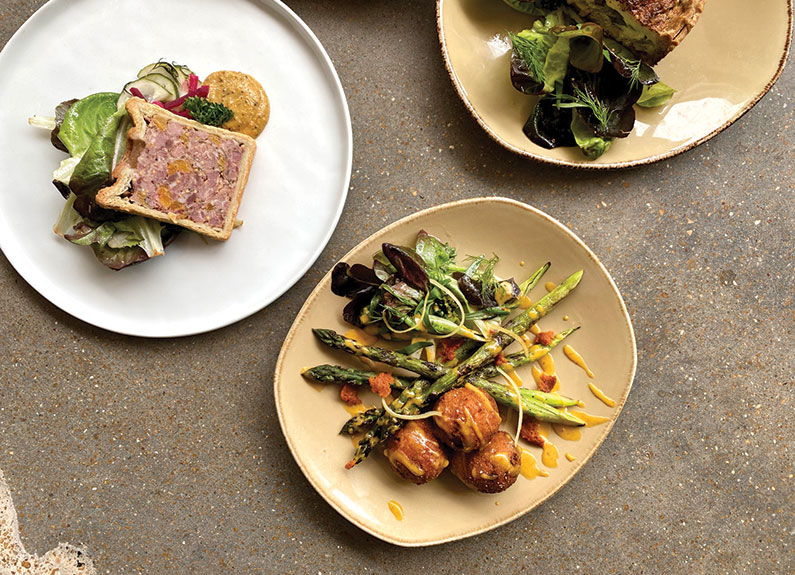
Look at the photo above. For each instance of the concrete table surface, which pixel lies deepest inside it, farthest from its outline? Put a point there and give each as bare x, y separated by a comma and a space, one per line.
167, 457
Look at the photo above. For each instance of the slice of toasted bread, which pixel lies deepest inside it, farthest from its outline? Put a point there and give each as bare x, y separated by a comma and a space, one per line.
179, 171
650, 28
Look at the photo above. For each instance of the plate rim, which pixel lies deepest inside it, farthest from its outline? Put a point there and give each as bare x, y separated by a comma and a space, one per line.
612, 165
315, 293
21, 265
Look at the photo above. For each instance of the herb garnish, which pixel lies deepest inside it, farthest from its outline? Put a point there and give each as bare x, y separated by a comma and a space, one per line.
582, 99
207, 112
531, 53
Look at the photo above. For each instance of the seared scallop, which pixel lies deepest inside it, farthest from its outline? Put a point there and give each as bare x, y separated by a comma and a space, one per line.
492, 468
467, 419
415, 454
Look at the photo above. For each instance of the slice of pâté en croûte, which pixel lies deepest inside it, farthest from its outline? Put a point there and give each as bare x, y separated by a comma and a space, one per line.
179, 171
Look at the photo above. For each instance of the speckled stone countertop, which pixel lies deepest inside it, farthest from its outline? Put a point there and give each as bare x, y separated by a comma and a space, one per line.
167, 457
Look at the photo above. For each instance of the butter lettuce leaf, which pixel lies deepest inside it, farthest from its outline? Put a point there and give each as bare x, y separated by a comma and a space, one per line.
655, 95
93, 172
591, 145
84, 120
585, 40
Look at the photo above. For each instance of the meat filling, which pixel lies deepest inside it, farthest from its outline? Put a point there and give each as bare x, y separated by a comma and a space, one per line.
186, 172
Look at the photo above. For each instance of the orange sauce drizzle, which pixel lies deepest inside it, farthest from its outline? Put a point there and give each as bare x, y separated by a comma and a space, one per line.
549, 455
360, 336
396, 509
567, 432
577, 359
547, 364
601, 395
530, 468
590, 420
354, 410
536, 371
510, 371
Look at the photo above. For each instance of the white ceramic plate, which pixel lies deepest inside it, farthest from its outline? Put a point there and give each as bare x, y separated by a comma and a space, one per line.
296, 189
717, 77
445, 510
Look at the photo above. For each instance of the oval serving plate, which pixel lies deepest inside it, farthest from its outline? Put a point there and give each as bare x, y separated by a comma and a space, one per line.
444, 510
716, 79
290, 207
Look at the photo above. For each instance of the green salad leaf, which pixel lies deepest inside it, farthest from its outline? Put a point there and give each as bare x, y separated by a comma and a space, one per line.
93, 172
655, 95
116, 244
528, 60
585, 50
588, 82
436, 255
84, 119
591, 145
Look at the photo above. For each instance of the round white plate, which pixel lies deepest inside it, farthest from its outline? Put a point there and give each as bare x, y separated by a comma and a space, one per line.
296, 189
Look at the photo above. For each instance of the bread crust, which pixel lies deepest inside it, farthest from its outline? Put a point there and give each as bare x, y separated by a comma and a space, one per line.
669, 20
141, 112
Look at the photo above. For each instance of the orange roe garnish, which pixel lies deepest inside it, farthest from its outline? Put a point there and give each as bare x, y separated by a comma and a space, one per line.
445, 348
381, 384
349, 394
547, 382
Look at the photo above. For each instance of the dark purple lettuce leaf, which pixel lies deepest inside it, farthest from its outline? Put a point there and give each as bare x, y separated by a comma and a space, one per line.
352, 312
522, 78
628, 65
611, 97
363, 274
346, 281
549, 126
473, 291
407, 267
341, 283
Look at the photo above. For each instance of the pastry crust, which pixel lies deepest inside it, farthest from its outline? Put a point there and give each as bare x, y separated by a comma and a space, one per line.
120, 195
664, 22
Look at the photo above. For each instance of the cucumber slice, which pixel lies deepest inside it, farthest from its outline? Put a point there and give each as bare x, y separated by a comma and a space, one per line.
166, 81
183, 71
151, 91
177, 72
161, 68
147, 69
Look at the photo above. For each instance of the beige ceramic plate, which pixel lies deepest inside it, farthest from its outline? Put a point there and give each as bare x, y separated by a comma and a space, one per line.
723, 67
445, 510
